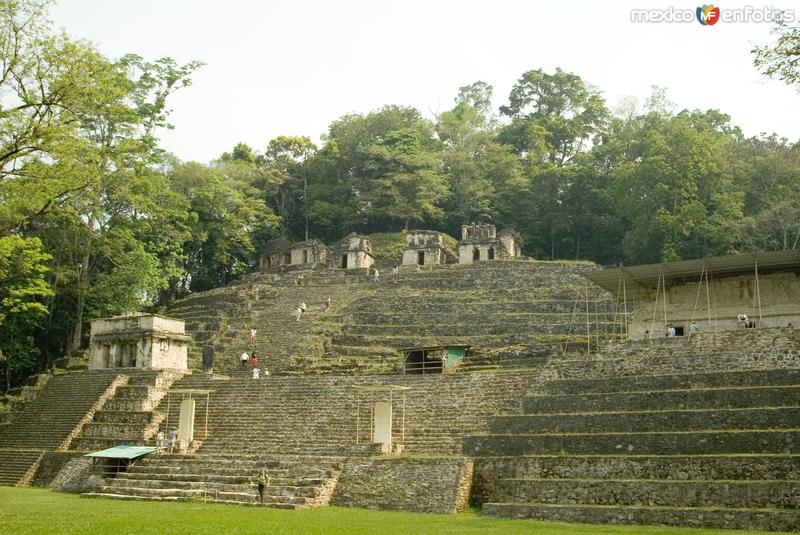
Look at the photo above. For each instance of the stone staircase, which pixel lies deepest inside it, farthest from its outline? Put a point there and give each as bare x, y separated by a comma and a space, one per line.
717, 448
510, 312
296, 482
50, 420
302, 428
489, 306
223, 318
57, 413
129, 417
18, 466
317, 414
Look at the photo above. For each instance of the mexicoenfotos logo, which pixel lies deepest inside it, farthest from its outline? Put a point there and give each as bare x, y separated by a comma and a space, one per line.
708, 15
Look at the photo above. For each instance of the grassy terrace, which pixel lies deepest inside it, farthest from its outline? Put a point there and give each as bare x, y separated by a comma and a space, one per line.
25, 510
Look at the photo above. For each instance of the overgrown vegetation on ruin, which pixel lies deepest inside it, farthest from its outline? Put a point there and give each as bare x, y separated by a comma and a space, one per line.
96, 218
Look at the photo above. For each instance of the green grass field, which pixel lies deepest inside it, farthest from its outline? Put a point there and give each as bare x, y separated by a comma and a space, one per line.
25, 510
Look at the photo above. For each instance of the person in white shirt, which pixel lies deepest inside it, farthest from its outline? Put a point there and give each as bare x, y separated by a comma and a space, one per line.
693, 329
256, 373
243, 358
742, 321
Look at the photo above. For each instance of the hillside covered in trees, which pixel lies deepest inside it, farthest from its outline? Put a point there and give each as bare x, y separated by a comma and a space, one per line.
97, 219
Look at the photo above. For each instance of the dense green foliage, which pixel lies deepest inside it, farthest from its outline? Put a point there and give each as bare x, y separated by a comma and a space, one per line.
97, 219
34, 511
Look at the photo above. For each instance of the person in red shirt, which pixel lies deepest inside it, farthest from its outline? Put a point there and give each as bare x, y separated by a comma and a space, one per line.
254, 360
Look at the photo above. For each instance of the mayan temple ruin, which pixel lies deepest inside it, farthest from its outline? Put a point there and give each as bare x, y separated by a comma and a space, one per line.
551, 390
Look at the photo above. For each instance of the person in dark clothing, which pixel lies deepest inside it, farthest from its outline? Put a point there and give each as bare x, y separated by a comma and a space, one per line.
263, 481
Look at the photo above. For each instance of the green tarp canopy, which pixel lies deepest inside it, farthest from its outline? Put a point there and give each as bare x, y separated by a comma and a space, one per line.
122, 452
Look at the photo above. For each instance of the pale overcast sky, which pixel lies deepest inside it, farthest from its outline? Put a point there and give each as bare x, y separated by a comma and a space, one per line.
292, 67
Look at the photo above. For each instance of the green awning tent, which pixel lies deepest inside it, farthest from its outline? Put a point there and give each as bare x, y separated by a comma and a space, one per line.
122, 452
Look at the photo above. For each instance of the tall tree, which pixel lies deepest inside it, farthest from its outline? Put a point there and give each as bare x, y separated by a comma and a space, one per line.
553, 116
781, 59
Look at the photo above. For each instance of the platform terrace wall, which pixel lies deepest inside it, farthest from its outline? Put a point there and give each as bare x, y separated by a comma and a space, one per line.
429, 485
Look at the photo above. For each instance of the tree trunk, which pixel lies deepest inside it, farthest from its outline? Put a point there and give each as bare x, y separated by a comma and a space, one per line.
77, 329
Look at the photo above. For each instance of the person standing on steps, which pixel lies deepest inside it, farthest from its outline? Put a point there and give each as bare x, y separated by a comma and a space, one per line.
254, 360
243, 358
693, 329
263, 481
172, 435
327, 304
256, 373
252, 336
160, 441
376, 276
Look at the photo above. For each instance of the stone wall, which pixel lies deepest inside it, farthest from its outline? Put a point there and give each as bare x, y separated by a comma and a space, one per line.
77, 475
750, 349
431, 485
51, 464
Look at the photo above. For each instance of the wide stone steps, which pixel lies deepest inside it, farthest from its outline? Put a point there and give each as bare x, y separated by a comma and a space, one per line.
141, 418
664, 420
717, 449
127, 417
672, 467
47, 421
436, 328
295, 481
654, 443
493, 299
774, 494
160, 486
729, 398
708, 517
15, 464
649, 383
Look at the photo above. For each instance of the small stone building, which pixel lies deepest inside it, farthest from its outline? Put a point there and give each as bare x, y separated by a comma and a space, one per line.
482, 242
276, 253
310, 252
424, 248
138, 340
355, 251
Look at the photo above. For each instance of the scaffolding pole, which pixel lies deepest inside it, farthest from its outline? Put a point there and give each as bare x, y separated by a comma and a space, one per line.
588, 331
625, 304
758, 294
664, 293
655, 308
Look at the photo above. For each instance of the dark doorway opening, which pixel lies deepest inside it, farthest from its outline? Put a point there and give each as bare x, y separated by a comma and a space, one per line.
305, 256
476, 255
679, 331
287, 258
418, 363
421, 258
491, 253
344, 261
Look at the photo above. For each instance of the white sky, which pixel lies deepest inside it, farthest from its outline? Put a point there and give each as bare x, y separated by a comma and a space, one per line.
292, 67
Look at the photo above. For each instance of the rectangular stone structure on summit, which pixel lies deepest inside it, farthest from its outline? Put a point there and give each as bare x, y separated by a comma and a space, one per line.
145, 341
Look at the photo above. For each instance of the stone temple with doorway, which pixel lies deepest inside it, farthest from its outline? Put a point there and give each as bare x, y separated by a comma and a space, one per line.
483, 242
532, 389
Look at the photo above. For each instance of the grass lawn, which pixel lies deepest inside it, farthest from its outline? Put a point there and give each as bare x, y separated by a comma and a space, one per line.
25, 510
